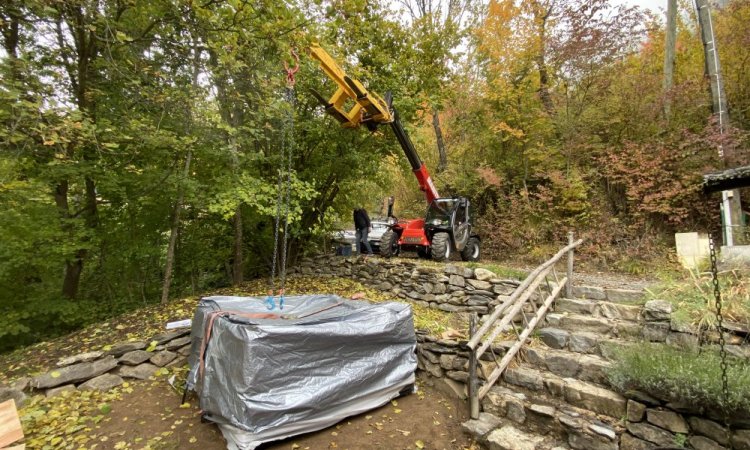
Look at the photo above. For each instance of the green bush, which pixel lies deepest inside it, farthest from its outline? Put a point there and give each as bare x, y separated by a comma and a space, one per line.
676, 375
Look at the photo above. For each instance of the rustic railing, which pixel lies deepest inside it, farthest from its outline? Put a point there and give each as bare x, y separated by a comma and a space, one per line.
502, 318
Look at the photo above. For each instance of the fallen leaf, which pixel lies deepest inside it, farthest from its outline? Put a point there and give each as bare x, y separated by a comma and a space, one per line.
419, 444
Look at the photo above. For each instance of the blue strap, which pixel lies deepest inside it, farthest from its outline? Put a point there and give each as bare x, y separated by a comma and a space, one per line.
270, 304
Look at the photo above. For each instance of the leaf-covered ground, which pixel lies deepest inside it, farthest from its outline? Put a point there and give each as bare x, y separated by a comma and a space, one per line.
148, 414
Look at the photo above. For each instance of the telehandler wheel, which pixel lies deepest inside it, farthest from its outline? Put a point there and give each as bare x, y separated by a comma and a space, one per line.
389, 244
441, 247
471, 251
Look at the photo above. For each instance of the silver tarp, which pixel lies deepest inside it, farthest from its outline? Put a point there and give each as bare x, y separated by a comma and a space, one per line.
267, 375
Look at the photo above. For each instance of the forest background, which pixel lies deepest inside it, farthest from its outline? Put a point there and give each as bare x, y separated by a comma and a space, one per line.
141, 141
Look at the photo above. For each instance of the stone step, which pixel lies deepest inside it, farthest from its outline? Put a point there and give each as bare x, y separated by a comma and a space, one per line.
577, 393
625, 296
603, 326
581, 341
599, 308
562, 424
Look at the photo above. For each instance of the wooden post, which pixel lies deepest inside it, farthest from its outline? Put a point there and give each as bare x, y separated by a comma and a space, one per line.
569, 285
473, 382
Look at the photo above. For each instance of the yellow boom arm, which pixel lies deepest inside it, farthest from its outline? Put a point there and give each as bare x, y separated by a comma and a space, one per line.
369, 107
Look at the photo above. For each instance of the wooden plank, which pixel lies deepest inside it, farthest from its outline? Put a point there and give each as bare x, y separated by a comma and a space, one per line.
10, 425
517, 346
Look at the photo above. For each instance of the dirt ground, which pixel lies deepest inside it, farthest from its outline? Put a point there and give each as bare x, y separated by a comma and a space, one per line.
152, 417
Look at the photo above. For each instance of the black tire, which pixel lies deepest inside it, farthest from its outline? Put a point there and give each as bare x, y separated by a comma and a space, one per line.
389, 244
472, 251
441, 247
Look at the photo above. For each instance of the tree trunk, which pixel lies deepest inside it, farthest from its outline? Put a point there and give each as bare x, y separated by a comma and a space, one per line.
237, 260
443, 162
173, 233
669, 55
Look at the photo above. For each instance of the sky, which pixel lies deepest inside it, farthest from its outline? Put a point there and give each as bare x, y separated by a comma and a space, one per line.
653, 5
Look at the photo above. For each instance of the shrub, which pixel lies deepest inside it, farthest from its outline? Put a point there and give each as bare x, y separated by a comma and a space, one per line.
676, 375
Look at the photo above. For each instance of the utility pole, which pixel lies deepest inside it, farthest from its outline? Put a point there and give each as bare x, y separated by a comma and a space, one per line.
669, 54
730, 204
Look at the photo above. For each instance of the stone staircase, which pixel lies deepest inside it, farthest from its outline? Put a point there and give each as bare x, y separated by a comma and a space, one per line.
556, 395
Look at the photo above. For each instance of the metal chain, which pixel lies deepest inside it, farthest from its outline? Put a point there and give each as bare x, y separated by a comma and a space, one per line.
287, 201
720, 328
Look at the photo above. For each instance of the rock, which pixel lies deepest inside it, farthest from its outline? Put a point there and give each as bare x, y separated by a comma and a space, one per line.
741, 440
515, 410
478, 284
575, 306
161, 359
555, 387
458, 375
642, 397
433, 369
710, 429
496, 400
704, 443
685, 408
438, 288
178, 362
624, 295
655, 331
135, 357
683, 340
593, 368
171, 335
59, 390
570, 422
629, 329
527, 378
584, 323
460, 390
429, 356
668, 420
102, 382
484, 274
651, 433
141, 372
590, 292
124, 347
657, 310
481, 426
21, 384
457, 280
74, 374
510, 438
603, 430
177, 343
583, 441
7, 393
466, 272
184, 351
554, 337
636, 411
583, 342
616, 311
83, 357
446, 361
448, 308
630, 442
594, 398
562, 364
738, 351
543, 410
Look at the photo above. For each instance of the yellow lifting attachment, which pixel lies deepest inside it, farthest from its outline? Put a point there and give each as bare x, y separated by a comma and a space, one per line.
369, 108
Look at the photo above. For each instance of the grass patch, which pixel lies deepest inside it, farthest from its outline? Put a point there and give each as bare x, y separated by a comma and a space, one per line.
677, 375
500, 271
693, 302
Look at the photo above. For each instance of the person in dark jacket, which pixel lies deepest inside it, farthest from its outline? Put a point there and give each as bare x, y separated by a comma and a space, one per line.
362, 225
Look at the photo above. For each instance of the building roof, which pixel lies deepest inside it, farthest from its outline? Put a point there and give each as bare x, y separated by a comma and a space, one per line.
738, 177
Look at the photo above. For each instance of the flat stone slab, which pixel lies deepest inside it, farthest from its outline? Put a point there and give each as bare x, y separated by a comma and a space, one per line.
17, 395
624, 295
102, 382
59, 390
481, 426
161, 359
590, 292
83, 357
74, 374
554, 337
142, 372
484, 274
651, 433
124, 347
594, 398
511, 438
177, 343
135, 357
657, 310
668, 420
